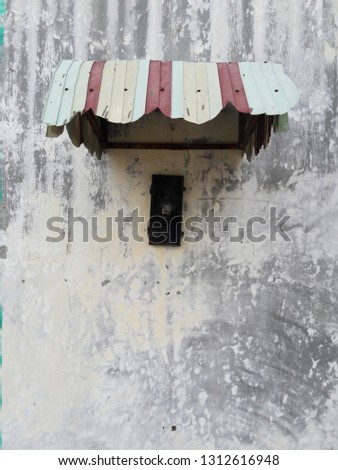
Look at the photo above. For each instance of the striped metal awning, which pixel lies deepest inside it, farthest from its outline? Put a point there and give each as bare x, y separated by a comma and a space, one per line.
122, 91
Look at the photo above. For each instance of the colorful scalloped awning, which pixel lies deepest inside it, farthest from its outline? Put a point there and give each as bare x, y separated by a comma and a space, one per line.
122, 91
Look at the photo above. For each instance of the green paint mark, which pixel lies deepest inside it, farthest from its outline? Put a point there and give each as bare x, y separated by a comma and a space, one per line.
283, 123
2, 7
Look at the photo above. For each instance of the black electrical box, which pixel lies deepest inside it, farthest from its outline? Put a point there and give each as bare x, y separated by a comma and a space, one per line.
165, 224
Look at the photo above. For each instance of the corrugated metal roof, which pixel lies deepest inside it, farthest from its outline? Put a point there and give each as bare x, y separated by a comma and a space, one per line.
122, 91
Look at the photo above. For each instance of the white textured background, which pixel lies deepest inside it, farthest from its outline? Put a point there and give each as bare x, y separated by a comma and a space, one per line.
234, 344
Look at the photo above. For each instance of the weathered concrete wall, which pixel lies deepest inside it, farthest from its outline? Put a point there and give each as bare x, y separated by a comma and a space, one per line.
108, 345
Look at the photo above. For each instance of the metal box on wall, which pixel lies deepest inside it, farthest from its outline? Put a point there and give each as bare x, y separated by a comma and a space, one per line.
165, 224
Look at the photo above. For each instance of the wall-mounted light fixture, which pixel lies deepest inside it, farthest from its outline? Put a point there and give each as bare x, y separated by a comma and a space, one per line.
165, 223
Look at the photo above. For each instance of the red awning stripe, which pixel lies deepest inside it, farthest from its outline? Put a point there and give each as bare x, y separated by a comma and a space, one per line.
165, 88
153, 91
232, 89
225, 84
94, 85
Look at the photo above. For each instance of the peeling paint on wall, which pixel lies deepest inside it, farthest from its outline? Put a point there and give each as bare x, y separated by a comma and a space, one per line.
1, 370
110, 345
3, 252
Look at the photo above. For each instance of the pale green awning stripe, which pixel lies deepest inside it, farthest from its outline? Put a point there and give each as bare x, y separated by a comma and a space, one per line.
80, 95
177, 94
68, 94
252, 92
51, 112
289, 90
264, 83
267, 88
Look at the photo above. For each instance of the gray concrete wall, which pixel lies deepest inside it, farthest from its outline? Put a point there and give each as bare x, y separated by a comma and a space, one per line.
109, 345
